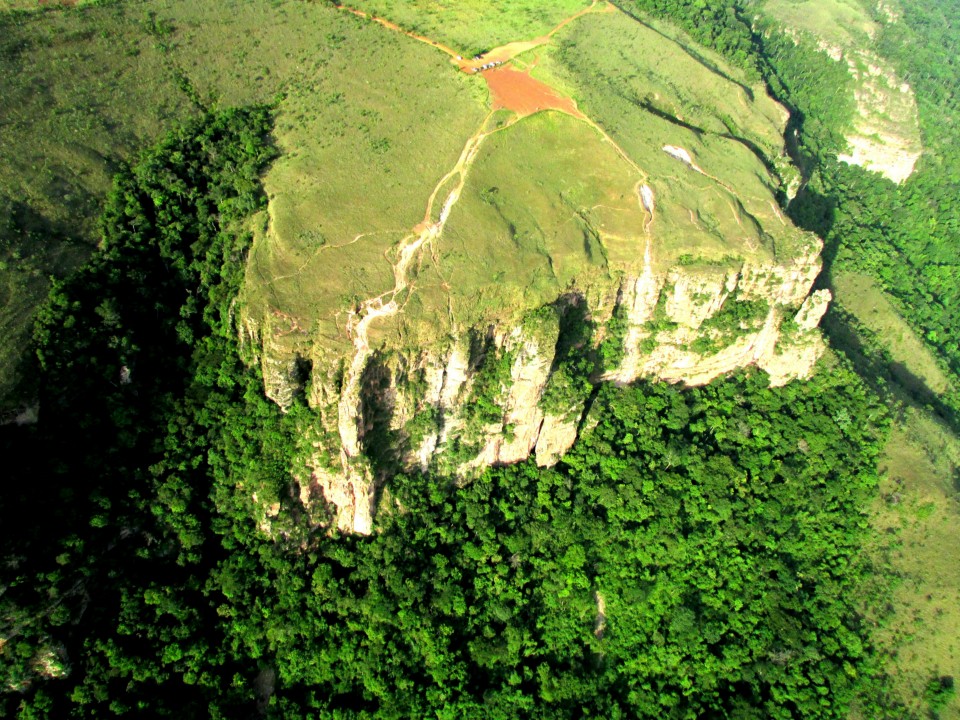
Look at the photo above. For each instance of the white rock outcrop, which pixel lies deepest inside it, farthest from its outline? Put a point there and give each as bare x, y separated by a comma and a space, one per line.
425, 398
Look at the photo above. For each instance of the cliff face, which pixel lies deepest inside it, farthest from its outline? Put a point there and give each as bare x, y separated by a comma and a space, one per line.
495, 394
884, 135
447, 303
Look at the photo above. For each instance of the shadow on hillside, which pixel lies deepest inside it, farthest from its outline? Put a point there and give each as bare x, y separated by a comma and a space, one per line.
892, 379
889, 378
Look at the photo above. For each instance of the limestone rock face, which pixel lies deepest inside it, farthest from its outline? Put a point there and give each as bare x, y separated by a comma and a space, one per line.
557, 435
884, 136
487, 396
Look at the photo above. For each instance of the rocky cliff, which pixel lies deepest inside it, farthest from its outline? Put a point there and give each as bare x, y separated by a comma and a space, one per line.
502, 391
576, 216
884, 135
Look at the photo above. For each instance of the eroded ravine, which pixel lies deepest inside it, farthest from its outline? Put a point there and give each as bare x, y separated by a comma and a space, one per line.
385, 304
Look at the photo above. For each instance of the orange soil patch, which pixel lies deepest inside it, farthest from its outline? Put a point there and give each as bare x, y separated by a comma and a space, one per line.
525, 95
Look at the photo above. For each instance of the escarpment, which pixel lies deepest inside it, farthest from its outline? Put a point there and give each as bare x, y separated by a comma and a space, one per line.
502, 391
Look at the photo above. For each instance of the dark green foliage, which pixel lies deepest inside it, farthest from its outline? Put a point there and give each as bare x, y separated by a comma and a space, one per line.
569, 383
143, 399
939, 693
612, 347
660, 322
721, 527
819, 90
423, 424
736, 315
492, 378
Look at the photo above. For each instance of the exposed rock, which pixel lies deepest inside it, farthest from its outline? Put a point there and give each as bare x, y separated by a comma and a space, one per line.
524, 417
694, 298
558, 433
600, 624
885, 136
454, 377
434, 389
27, 415
349, 493
813, 310
786, 363
679, 153
647, 198
673, 363
890, 155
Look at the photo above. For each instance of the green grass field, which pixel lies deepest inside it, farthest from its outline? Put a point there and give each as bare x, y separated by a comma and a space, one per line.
86, 88
368, 123
364, 141
840, 22
547, 203
474, 26
860, 295
920, 502
653, 92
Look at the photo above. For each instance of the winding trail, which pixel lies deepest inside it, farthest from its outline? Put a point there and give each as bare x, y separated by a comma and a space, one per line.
393, 26
502, 54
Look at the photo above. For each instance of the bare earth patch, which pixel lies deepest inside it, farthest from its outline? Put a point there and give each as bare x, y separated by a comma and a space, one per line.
523, 94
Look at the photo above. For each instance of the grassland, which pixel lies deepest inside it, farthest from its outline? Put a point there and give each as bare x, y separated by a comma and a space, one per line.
920, 502
41, 5
364, 144
860, 295
475, 26
368, 122
530, 222
647, 90
844, 23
